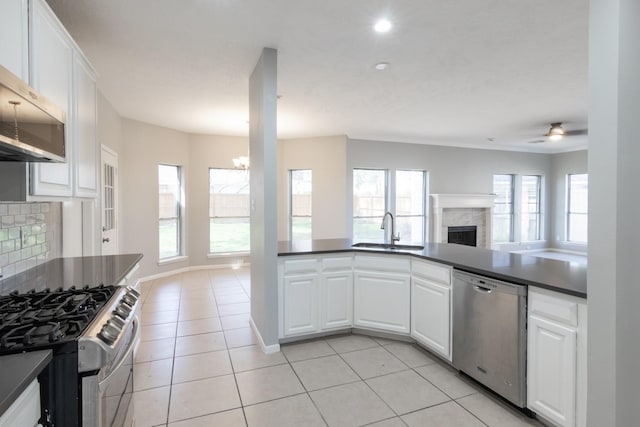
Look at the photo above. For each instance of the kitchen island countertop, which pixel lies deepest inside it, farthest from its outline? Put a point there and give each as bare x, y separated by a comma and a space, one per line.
17, 371
560, 276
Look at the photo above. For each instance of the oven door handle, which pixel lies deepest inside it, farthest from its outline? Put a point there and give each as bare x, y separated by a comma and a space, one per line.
125, 356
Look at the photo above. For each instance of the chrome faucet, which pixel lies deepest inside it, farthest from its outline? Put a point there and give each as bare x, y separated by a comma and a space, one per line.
394, 237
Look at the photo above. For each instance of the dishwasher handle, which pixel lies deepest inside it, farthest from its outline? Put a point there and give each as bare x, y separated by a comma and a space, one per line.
482, 289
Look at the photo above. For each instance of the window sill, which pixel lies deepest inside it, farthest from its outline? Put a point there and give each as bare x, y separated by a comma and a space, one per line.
228, 255
172, 260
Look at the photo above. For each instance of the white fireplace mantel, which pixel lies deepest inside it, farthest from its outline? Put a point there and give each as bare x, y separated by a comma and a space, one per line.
439, 202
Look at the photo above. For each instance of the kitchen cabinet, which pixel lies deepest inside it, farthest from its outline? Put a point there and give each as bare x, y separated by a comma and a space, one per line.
316, 294
556, 357
382, 293
51, 61
336, 292
14, 37
60, 72
431, 306
25, 410
85, 121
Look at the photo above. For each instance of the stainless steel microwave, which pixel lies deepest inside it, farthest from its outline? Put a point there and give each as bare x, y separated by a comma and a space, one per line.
31, 126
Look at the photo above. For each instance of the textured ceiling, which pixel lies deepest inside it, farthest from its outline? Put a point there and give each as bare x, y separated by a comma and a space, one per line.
462, 71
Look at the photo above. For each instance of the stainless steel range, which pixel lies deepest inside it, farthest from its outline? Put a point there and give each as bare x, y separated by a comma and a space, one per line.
92, 332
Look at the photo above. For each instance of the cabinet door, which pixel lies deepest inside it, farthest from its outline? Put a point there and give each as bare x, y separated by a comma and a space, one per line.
336, 300
14, 37
51, 73
431, 315
382, 301
300, 304
87, 156
551, 371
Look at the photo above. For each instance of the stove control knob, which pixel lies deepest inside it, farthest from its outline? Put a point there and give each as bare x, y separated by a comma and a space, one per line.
123, 310
129, 299
118, 321
133, 292
108, 334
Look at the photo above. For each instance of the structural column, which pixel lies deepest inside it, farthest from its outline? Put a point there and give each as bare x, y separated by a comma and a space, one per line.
264, 239
614, 211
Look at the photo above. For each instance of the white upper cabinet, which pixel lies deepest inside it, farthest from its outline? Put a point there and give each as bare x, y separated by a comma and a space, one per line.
51, 60
59, 71
87, 154
14, 37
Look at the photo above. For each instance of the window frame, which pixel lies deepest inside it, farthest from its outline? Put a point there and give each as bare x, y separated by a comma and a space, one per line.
425, 194
390, 199
210, 252
570, 213
291, 215
511, 213
179, 218
537, 212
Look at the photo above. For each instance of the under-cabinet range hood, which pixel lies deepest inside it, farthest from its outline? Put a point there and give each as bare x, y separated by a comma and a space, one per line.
31, 126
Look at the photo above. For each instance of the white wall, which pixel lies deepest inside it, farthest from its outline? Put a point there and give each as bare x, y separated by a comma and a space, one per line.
144, 147
208, 151
327, 158
561, 165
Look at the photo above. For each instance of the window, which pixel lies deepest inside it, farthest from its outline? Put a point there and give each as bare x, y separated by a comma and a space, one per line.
229, 211
503, 186
300, 204
369, 203
577, 207
170, 211
530, 208
410, 205
406, 199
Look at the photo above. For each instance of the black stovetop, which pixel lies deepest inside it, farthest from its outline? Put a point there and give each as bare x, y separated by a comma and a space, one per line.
35, 320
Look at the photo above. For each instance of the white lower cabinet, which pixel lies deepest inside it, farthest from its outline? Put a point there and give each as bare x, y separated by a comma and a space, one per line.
25, 410
316, 294
431, 315
556, 357
382, 293
300, 304
336, 299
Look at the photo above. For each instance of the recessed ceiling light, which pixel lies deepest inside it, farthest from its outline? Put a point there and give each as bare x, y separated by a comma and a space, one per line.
381, 66
382, 26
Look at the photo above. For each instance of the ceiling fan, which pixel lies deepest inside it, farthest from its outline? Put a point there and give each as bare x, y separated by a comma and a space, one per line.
557, 132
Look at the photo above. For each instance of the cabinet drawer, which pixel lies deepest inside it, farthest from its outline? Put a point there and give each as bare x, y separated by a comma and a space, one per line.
336, 263
439, 273
304, 265
553, 307
383, 263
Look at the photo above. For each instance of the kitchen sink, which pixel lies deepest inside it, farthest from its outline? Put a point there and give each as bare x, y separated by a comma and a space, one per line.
390, 246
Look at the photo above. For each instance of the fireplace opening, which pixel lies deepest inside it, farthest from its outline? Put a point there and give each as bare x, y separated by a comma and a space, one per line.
463, 235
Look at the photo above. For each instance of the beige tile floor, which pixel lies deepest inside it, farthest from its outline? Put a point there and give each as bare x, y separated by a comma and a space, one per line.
198, 365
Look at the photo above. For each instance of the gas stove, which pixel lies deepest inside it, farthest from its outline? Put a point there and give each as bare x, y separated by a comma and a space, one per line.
36, 320
92, 332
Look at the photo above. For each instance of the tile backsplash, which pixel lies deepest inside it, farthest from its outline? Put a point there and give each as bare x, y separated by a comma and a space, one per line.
30, 234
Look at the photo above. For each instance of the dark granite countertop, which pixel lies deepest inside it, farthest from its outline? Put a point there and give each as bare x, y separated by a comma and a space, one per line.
16, 373
76, 271
560, 276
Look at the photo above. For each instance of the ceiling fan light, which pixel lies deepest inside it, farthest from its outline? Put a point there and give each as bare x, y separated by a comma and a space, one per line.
555, 132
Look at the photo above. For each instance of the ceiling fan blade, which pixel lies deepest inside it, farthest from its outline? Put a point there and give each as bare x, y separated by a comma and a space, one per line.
576, 132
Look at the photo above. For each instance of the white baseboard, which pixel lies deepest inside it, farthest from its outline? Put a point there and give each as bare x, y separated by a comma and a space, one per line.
267, 349
187, 269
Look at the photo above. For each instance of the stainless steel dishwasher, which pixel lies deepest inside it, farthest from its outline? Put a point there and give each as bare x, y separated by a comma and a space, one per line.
490, 333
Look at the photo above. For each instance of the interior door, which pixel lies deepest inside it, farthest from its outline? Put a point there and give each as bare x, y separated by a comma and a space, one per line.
109, 201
